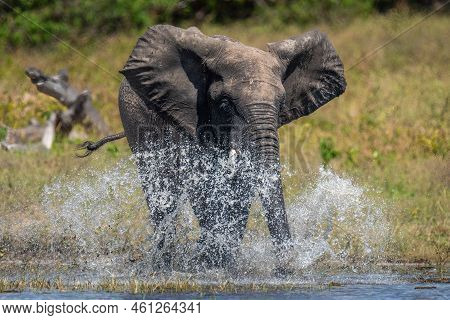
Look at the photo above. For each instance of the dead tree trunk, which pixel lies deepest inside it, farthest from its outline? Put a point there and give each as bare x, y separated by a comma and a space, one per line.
79, 105
79, 111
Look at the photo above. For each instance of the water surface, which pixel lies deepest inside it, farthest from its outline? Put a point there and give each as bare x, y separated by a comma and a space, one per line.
346, 286
346, 292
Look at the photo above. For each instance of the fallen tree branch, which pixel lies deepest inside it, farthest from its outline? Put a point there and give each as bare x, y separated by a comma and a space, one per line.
79, 111
79, 104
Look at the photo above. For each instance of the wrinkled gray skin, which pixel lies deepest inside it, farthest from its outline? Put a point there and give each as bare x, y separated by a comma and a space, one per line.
184, 83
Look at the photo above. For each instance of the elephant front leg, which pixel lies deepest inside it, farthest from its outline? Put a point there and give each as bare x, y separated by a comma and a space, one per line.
271, 193
163, 218
212, 251
238, 216
222, 229
162, 192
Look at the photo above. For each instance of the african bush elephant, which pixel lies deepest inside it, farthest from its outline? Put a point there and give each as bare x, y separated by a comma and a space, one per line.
225, 100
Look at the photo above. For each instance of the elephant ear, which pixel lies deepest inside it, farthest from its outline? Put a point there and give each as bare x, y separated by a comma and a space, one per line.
312, 73
166, 69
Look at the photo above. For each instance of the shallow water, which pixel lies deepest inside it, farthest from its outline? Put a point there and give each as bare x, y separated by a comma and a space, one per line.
398, 291
405, 283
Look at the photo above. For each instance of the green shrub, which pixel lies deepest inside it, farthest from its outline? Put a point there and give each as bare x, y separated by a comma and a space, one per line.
113, 149
327, 150
3, 133
33, 22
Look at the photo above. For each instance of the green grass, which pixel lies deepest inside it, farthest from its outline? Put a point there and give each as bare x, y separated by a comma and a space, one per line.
390, 130
158, 285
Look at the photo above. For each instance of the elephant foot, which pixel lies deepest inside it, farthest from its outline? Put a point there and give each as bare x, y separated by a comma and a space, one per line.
163, 262
283, 272
285, 254
214, 260
214, 256
163, 256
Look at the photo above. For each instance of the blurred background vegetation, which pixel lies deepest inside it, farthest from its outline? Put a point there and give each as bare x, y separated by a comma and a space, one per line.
389, 131
71, 19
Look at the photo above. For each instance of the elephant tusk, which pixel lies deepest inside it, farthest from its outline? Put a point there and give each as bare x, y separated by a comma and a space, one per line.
232, 163
232, 155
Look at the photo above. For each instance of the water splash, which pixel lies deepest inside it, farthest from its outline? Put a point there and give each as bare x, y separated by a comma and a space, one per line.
335, 216
99, 220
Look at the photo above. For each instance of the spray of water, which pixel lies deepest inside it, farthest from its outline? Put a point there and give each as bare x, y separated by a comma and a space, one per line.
99, 220
95, 222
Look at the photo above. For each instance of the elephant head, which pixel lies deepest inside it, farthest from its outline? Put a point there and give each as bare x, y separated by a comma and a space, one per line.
198, 83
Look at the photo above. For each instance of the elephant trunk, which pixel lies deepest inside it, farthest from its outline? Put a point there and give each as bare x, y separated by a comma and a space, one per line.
265, 148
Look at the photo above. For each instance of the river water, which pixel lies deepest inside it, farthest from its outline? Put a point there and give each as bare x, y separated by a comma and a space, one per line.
345, 292
405, 283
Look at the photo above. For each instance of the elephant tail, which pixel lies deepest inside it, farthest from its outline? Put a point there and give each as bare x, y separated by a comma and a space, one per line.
90, 146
